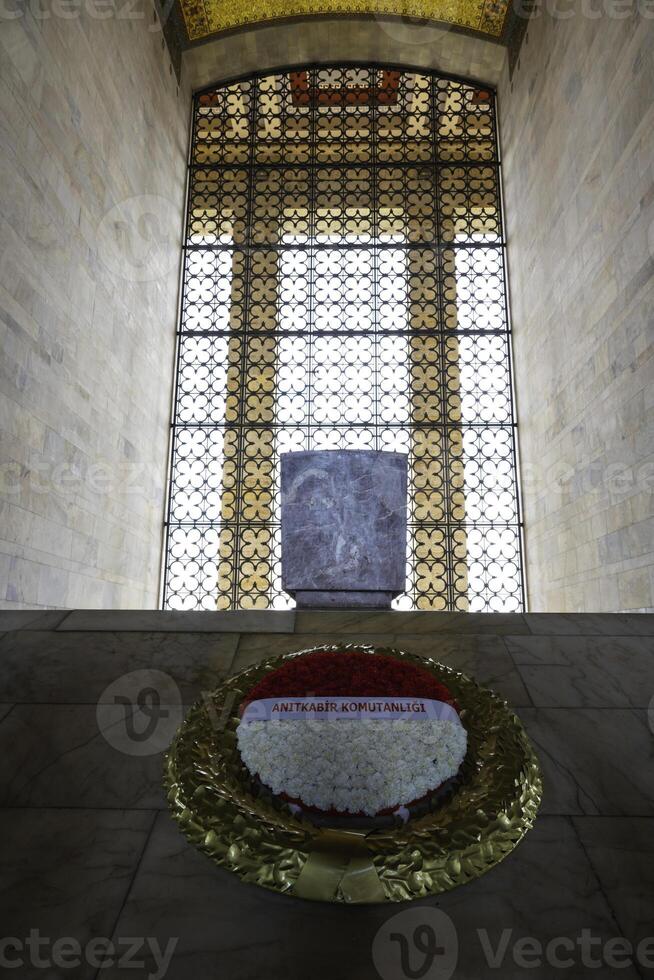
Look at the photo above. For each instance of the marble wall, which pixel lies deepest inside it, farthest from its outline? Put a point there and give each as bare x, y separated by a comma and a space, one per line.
93, 131
577, 128
92, 169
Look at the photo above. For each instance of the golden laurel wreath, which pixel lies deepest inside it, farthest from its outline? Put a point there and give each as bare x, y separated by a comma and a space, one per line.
494, 806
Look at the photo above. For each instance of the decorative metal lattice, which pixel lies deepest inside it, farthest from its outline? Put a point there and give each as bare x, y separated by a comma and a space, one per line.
344, 288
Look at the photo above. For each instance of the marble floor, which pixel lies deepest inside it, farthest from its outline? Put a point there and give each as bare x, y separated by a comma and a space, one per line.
89, 853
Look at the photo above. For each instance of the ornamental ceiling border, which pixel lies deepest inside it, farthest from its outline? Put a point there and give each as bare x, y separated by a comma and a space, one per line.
206, 18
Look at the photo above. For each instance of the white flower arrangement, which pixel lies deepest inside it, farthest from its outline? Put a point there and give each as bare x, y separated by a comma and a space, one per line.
353, 766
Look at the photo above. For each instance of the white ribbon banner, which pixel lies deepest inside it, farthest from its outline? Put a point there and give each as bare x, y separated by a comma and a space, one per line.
348, 709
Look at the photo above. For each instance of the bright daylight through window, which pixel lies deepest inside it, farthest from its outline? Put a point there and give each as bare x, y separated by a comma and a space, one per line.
344, 287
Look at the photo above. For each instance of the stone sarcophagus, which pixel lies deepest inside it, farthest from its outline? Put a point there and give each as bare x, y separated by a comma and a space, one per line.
344, 527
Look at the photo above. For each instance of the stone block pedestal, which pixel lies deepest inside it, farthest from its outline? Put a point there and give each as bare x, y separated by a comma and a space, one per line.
344, 527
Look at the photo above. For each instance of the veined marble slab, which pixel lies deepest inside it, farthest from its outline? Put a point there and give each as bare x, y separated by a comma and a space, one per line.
594, 760
586, 623
234, 928
31, 619
586, 671
66, 873
78, 666
206, 621
396, 621
56, 755
621, 850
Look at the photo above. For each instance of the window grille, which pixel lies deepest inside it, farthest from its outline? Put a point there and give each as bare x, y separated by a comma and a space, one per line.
344, 287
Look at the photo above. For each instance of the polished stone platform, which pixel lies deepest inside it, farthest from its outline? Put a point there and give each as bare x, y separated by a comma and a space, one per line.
87, 848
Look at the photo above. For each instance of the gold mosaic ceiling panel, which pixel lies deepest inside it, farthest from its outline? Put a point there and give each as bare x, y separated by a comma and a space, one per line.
206, 17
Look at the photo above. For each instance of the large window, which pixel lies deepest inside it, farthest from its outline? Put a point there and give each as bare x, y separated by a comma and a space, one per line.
344, 288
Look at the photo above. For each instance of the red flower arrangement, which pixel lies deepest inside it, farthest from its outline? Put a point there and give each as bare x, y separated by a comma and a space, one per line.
331, 768
351, 673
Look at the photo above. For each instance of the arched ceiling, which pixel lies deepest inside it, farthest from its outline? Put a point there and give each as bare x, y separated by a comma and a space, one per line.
342, 40
204, 18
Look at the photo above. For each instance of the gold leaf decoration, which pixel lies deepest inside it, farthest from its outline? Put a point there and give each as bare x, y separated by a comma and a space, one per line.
206, 17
